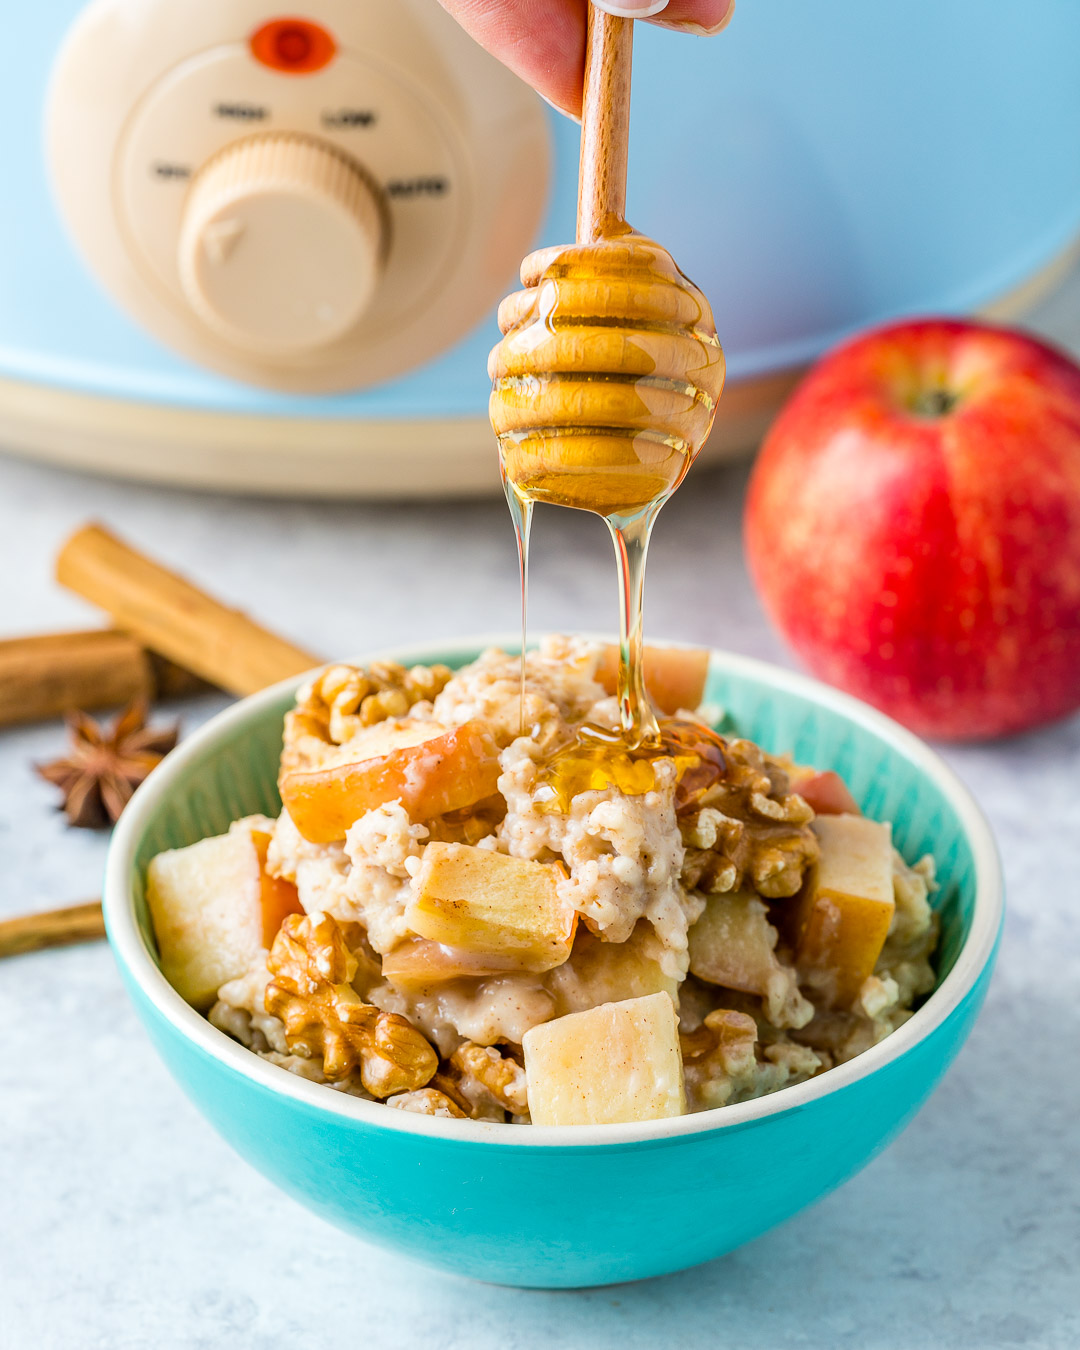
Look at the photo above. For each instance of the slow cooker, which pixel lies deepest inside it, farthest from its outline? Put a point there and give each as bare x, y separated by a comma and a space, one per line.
261, 250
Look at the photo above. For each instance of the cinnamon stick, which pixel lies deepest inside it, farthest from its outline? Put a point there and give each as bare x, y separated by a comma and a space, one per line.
54, 928
50, 674
173, 617
160, 611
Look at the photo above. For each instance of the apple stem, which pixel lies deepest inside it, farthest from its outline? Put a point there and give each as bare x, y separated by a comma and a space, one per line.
935, 403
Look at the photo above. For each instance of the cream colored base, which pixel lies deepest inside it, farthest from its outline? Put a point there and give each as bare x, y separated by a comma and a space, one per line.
136, 87
292, 456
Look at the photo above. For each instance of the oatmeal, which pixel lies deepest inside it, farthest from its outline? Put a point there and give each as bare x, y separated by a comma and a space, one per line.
430, 924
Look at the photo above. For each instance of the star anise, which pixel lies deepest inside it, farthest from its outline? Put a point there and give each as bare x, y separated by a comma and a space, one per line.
104, 766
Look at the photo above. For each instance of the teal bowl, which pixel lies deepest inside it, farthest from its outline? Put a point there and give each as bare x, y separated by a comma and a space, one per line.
579, 1205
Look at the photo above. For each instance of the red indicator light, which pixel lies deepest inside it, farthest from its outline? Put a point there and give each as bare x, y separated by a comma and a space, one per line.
293, 46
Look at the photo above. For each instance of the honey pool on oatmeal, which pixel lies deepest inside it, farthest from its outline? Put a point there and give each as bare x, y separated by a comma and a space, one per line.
436, 922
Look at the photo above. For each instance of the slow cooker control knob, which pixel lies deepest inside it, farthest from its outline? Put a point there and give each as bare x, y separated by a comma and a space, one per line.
281, 244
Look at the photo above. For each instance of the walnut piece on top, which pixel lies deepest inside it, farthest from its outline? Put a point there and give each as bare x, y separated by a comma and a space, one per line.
325, 1018
749, 828
484, 1071
427, 1101
485, 1082
726, 1040
342, 700
725, 1061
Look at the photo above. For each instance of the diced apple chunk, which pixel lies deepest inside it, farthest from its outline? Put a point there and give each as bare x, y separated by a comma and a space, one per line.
429, 770
826, 793
214, 908
733, 943
396, 733
674, 676
608, 972
616, 1062
480, 901
846, 906
418, 963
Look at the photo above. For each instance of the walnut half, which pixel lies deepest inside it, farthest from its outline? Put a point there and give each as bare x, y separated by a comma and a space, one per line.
325, 1018
342, 700
484, 1082
749, 829
719, 1057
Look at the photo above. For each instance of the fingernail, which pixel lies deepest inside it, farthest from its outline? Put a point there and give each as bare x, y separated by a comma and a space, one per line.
563, 112
631, 9
698, 29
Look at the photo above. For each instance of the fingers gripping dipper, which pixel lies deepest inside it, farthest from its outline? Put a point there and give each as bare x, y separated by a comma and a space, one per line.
605, 384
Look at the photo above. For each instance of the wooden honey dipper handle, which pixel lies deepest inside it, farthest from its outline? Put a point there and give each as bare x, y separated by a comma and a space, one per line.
605, 126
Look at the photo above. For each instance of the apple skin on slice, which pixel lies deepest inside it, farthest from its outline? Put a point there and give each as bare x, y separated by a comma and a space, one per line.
418, 964
278, 897
674, 676
214, 908
596, 972
490, 903
846, 906
616, 1062
444, 772
825, 793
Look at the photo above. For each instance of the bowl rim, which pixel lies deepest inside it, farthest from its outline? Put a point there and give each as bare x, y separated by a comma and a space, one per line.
138, 963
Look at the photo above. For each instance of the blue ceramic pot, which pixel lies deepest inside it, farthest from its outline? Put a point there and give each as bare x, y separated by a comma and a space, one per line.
581, 1205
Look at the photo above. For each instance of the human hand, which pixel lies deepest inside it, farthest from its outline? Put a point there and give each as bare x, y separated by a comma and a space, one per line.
543, 41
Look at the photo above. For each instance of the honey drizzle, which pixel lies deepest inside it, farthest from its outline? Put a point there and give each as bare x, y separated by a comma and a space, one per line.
521, 513
625, 758
598, 758
631, 539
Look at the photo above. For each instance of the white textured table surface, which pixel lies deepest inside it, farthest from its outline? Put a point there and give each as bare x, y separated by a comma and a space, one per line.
125, 1222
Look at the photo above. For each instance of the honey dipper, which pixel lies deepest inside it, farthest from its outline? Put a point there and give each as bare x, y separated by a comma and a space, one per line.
605, 384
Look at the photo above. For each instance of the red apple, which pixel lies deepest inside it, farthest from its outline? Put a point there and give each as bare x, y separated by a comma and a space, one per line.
913, 526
